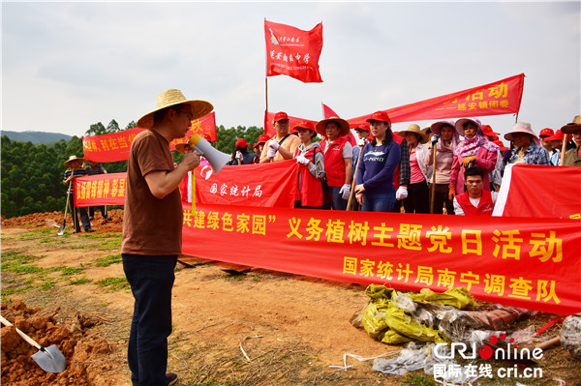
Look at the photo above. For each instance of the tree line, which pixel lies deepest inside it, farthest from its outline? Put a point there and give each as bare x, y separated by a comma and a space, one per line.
32, 175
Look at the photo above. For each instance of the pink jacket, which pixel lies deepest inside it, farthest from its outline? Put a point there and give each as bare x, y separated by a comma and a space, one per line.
485, 159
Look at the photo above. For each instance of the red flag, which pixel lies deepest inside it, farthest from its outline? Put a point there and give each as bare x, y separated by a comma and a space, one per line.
500, 97
202, 126
293, 52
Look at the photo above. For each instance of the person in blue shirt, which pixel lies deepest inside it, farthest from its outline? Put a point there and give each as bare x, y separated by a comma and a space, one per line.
375, 191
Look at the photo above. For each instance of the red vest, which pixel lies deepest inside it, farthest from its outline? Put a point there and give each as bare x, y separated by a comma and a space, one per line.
334, 162
485, 206
310, 189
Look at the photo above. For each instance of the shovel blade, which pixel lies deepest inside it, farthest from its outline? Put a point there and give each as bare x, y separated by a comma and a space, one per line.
61, 230
50, 359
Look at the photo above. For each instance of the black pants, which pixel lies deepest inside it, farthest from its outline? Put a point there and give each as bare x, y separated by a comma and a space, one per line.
101, 208
74, 215
418, 200
441, 199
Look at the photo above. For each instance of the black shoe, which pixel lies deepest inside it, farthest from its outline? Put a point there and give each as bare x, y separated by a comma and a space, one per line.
172, 378
89, 230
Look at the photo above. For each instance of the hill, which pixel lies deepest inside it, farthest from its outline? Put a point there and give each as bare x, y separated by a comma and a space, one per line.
35, 137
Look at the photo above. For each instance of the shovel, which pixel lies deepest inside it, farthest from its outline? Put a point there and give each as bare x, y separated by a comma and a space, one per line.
49, 359
63, 227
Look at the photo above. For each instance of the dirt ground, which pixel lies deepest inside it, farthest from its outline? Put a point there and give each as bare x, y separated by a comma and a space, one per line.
260, 328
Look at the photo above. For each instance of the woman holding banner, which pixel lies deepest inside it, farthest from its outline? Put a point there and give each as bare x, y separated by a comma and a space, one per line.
444, 141
473, 150
375, 191
310, 156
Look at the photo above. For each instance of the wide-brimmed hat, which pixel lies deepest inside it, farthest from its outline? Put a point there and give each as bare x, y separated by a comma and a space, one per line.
241, 143
559, 136
413, 128
546, 132
461, 122
573, 127
487, 130
428, 129
174, 97
280, 116
73, 158
380, 116
437, 126
363, 126
320, 127
522, 127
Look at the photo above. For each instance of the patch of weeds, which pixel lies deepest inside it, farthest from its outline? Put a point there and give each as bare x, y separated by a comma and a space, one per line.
71, 270
420, 380
84, 246
47, 285
45, 240
255, 277
114, 283
113, 243
108, 260
235, 277
82, 280
22, 269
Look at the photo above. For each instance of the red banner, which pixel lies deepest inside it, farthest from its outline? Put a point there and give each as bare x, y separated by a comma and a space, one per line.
269, 123
100, 189
115, 146
500, 97
109, 147
540, 191
267, 185
524, 262
293, 52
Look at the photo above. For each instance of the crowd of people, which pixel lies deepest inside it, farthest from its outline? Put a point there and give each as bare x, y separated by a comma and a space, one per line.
446, 168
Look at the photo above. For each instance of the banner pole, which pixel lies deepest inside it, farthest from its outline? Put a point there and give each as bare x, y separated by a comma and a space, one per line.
563, 149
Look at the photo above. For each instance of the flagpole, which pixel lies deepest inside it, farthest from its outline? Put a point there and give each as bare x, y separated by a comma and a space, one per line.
265, 79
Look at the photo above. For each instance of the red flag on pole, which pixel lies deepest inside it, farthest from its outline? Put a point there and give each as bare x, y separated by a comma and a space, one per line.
293, 52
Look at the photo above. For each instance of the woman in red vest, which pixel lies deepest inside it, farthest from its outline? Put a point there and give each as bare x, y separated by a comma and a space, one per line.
312, 170
338, 159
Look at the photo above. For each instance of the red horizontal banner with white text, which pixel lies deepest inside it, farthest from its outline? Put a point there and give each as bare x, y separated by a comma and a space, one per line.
525, 262
100, 189
115, 146
501, 97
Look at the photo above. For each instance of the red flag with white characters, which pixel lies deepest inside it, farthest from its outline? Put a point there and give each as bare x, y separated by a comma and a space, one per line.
293, 52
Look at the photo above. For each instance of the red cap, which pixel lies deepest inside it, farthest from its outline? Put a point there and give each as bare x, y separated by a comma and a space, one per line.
495, 138
559, 136
305, 125
255, 145
281, 115
379, 116
546, 132
364, 126
262, 138
207, 137
241, 143
488, 130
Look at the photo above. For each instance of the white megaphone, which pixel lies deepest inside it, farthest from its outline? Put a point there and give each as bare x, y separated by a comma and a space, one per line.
216, 158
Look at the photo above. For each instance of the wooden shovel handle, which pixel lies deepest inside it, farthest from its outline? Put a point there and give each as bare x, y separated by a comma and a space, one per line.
28, 339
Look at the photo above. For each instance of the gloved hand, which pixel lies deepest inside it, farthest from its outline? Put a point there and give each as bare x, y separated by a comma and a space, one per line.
345, 191
301, 159
239, 155
402, 193
451, 193
273, 144
271, 153
361, 142
467, 160
435, 139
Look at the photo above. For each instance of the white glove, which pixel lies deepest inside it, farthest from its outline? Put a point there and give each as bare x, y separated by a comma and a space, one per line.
402, 193
271, 153
345, 191
301, 159
362, 142
273, 144
239, 155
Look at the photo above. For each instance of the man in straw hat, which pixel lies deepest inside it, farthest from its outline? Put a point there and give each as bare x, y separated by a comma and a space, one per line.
573, 156
76, 170
152, 230
338, 155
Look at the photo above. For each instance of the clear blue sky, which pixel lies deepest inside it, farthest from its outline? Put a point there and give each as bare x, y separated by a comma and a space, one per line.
66, 66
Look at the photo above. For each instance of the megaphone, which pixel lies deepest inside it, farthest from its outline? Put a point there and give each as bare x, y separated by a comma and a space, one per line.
216, 158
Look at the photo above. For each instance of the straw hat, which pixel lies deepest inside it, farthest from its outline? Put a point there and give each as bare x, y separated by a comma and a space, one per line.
460, 125
170, 98
344, 125
573, 127
522, 127
73, 158
413, 128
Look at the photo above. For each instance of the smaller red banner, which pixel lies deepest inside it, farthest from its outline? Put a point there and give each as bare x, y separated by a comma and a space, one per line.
109, 147
293, 52
100, 189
